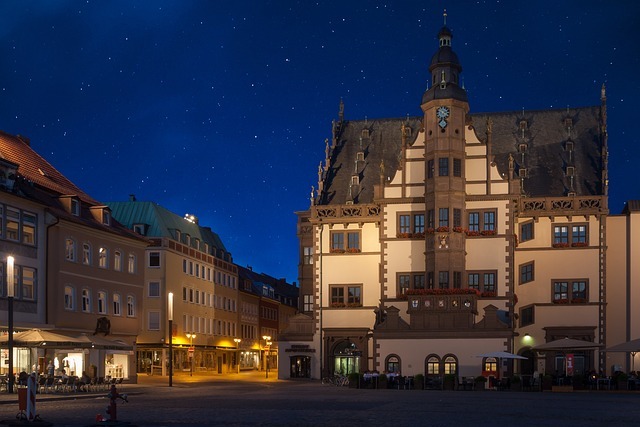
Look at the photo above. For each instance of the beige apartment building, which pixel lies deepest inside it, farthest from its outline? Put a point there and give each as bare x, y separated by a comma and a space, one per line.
79, 272
431, 240
192, 263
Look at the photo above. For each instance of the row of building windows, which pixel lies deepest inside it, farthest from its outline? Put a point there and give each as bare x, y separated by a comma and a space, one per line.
248, 332
434, 364
483, 281
196, 296
103, 256
196, 270
268, 313
24, 280
564, 235
444, 166
101, 303
18, 225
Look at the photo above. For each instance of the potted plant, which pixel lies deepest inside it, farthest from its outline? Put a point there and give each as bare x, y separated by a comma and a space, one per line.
621, 380
354, 380
515, 383
449, 382
480, 383
547, 382
578, 382
418, 382
382, 381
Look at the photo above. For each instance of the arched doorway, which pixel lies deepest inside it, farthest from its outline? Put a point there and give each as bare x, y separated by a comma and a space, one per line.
346, 358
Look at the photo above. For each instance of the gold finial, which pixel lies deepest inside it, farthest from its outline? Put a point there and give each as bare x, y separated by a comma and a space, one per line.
444, 15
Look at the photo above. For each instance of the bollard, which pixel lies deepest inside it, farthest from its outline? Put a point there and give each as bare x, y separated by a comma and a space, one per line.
31, 397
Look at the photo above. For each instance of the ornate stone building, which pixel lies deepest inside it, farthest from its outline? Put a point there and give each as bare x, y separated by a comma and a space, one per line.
434, 239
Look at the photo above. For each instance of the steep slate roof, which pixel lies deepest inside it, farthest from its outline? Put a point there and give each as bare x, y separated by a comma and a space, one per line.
546, 156
162, 222
385, 142
41, 182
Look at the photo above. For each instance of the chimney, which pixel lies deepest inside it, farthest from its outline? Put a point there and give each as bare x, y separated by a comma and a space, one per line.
132, 197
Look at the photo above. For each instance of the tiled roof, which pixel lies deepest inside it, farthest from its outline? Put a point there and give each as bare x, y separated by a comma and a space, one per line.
546, 156
34, 168
39, 181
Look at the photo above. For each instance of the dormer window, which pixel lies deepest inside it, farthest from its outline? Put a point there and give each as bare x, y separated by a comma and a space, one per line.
179, 236
355, 180
187, 240
570, 171
140, 229
365, 133
569, 146
360, 156
568, 122
523, 125
106, 217
75, 207
522, 148
522, 172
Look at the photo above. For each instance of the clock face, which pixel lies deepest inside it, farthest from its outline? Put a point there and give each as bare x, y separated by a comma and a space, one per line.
442, 112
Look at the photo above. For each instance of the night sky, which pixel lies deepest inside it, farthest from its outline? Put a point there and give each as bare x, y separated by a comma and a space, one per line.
221, 108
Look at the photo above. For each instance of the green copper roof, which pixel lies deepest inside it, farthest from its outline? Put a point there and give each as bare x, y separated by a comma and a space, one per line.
161, 222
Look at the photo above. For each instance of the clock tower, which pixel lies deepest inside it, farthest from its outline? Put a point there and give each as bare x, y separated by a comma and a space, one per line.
445, 107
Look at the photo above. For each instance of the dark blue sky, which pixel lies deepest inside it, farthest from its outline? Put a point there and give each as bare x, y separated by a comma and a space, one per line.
221, 109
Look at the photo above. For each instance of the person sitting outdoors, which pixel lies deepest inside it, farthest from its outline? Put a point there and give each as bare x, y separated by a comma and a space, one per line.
22, 378
83, 382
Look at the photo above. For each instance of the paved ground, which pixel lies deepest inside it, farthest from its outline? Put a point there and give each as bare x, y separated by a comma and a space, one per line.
250, 400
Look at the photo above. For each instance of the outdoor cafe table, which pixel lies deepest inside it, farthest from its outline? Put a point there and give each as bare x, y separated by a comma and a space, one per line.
604, 382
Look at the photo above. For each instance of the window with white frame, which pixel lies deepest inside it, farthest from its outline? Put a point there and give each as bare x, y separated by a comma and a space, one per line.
154, 259
70, 250
154, 290
86, 253
131, 306
117, 305
102, 302
131, 266
117, 261
307, 302
154, 321
69, 298
103, 255
86, 300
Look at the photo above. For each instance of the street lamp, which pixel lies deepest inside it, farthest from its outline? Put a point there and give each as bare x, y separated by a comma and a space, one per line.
237, 341
267, 343
170, 317
10, 294
191, 336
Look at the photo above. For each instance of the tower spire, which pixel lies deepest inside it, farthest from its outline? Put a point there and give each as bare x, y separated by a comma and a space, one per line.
444, 15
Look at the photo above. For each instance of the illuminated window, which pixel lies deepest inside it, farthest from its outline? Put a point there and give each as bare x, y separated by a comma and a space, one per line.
307, 302
103, 254
490, 364
433, 365
450, 365
307, 256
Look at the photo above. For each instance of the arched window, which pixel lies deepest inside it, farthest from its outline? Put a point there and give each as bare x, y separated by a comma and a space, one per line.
490, 364
117, 310
103, 257
69, 298
70, 250
450, 364
117, 261
132, 264
392, 364
131, 306
102, 302
86, 254
86, 300
433, 365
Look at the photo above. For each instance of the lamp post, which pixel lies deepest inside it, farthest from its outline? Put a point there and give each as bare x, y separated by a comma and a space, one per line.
191, 336
10, 294
267, 343
237, 341
170, 317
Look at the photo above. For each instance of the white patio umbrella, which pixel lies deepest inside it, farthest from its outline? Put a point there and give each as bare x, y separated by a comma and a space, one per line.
96, 341
40, 338
502, 355
632, 347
